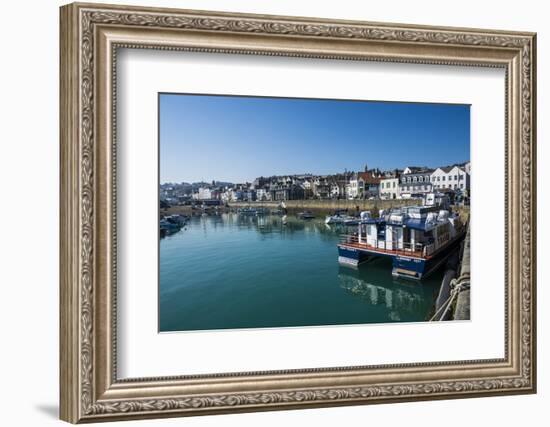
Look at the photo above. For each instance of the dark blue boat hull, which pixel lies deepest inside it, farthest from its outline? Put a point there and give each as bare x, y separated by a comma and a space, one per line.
352, 257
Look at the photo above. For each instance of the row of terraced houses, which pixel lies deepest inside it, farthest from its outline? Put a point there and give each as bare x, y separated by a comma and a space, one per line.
368, 184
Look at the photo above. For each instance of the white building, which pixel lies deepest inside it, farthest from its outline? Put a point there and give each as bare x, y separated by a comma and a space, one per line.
389, 188
228, 195
204, 193
263, 195
336, 191
450, 178
354, 187
415, 184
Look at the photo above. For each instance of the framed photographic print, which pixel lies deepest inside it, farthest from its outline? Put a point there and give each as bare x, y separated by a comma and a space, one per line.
264, 212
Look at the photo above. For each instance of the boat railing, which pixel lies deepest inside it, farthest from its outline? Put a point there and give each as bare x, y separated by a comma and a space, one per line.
392, 247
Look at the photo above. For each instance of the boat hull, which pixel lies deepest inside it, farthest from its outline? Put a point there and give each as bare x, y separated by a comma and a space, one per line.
352, 257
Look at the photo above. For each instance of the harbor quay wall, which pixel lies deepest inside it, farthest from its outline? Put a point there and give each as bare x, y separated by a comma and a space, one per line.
330, 205
462, 309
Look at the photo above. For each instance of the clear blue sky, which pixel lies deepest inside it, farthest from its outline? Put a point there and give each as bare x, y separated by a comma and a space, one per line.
236, 139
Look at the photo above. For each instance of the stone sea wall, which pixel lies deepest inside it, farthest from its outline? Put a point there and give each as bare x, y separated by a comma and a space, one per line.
332, 205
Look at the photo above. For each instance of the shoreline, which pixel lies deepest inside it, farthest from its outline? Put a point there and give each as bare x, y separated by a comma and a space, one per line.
316, 206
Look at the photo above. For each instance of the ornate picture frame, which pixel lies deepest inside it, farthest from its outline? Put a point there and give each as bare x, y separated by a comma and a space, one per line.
90, 37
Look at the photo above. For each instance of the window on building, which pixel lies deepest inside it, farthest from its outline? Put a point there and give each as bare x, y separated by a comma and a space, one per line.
443, 178
461, 185
456, 177
393, 184
420, 179
438, 178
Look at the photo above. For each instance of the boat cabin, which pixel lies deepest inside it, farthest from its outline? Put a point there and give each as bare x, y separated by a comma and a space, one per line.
418, 230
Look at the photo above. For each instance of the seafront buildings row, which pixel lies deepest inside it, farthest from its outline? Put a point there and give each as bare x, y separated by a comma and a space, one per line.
368, 184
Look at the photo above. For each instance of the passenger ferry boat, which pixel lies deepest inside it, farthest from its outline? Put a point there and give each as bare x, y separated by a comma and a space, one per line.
417, 238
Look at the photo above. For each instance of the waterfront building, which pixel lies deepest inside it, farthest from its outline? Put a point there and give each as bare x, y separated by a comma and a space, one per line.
263, 195
335, 190
204, 193
364, 185
228, 196
450, 178
338, 185
259, 182
415, 183
371, 184
389, 188
307, 184
282, 191
459, 178
321, 187
354, 188
240, 192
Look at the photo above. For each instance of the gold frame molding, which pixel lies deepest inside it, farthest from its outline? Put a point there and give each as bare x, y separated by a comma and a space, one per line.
90, 37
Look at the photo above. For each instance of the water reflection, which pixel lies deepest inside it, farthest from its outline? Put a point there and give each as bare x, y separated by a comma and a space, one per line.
374, 284
264, 224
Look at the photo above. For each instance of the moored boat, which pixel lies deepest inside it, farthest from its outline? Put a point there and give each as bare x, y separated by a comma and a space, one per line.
341, 217
334, 219
171, 224
306, 215
417, 238
167, 227
247, 211
177, 219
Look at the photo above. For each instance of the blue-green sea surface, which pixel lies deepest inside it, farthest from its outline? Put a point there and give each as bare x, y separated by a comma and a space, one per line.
235, 271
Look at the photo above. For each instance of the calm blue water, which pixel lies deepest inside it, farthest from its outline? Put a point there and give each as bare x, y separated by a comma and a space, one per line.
233, 271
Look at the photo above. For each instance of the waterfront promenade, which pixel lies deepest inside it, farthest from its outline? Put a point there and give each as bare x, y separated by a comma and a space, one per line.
327, 206
330, 205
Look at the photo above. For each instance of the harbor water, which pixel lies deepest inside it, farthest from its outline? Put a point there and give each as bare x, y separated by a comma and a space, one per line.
231, 271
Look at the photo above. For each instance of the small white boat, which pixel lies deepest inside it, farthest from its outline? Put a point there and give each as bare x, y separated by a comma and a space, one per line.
335, 219
342, 219
306, 215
